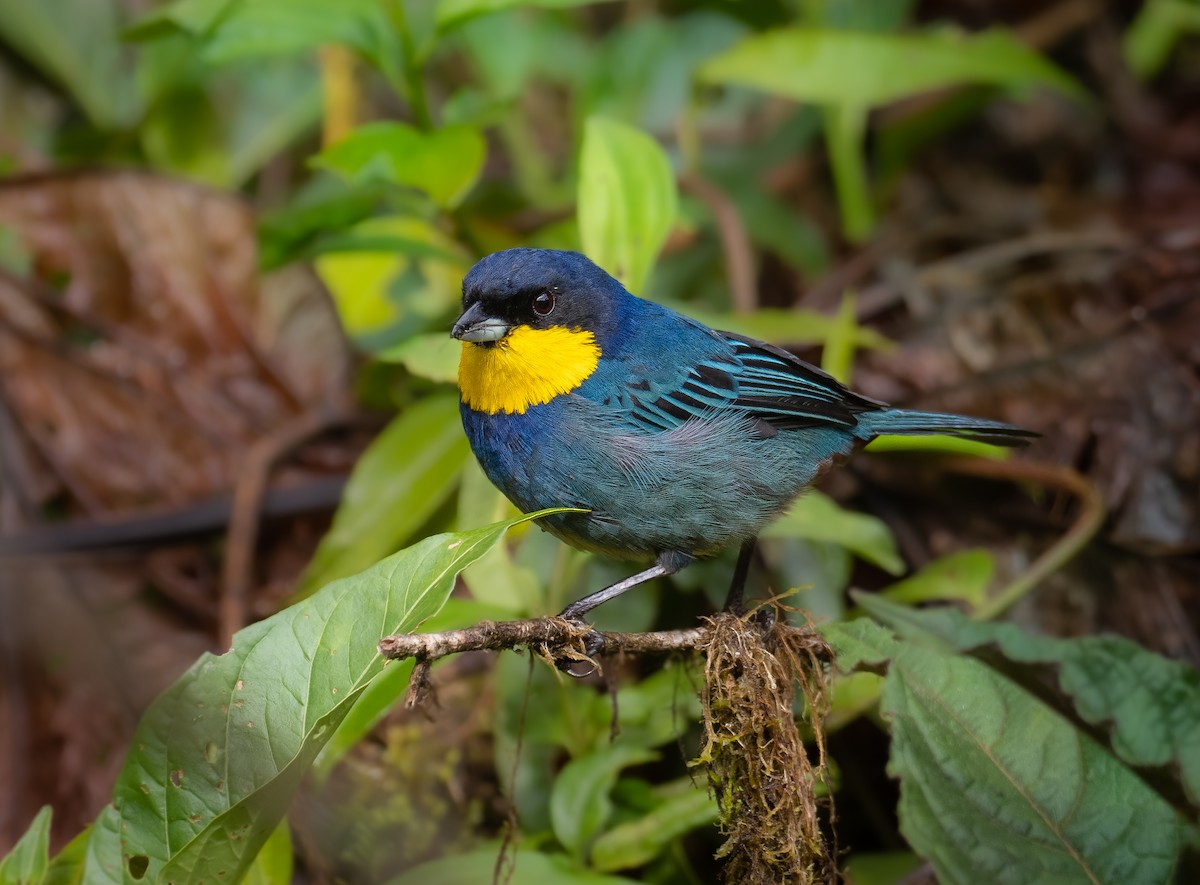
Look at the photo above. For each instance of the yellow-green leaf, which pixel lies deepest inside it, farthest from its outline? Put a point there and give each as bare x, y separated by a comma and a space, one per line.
627, 199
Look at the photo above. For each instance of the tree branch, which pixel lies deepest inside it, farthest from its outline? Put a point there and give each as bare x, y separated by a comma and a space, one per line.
553, 634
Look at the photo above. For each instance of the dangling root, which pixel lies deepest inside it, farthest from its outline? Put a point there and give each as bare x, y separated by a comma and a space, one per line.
757, 765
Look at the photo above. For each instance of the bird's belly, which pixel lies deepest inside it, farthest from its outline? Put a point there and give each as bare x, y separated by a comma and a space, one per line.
697, 489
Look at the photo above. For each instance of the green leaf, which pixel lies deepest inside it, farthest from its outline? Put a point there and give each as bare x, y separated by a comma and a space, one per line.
580, 804
864, 70
74, 44
817, 517
295, 229
433, 356
997, 787
452, 13
845, 135
528, 868
217, 757
26, 864
276, 105
639, 841
273, 865
627, 199
401, 479
444, 163
939, 445
496, 579
1158, 27
258, 28
188, 16
882, 868
66, 867
653, 712
964, 575
103, 864
853, 695
848, 73
395, 277
838, 357
1149, 704
861, 644
382, 694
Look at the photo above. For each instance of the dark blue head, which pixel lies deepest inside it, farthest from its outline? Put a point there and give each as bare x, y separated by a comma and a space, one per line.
539, 288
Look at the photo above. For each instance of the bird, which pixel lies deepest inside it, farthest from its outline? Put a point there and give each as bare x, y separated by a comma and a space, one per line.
671, 441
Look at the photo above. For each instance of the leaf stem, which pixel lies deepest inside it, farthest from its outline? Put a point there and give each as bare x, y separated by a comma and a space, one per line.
1090, 519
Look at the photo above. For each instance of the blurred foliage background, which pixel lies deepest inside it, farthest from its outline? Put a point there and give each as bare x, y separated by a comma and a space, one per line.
232, 234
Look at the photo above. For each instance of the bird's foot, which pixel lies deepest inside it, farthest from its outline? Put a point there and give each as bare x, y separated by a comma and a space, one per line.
580, 663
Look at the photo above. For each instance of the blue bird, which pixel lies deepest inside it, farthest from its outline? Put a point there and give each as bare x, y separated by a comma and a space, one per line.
676, 439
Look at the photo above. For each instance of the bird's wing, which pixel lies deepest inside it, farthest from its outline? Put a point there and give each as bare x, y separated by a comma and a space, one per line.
789, 393
766, 383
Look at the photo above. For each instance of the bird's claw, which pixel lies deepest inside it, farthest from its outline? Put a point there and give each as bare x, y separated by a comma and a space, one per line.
575, 665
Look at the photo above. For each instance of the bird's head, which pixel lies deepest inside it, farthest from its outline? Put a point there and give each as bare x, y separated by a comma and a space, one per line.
534, 326
537, 290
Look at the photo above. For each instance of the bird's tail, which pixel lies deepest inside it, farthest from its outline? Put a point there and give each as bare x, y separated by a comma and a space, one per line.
904, 421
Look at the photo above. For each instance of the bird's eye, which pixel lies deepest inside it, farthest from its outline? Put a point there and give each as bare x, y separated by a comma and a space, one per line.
543, 303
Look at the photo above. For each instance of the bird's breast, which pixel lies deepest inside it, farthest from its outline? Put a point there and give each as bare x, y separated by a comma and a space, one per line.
527, 367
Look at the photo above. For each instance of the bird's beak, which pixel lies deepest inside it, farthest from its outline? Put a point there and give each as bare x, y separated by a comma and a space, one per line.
475, 325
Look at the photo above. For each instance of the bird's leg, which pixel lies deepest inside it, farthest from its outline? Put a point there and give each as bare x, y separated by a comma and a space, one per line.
668, 563
734, 602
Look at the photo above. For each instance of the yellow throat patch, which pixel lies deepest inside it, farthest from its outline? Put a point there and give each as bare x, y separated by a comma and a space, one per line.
527, 367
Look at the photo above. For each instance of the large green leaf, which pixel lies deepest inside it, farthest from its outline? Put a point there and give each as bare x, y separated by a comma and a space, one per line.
26, 864
627, 199
997, 787
216, 758
844, 68
817, 517
402, 478
374, 704
103, 863
1150, 704
444, 163
74, 43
